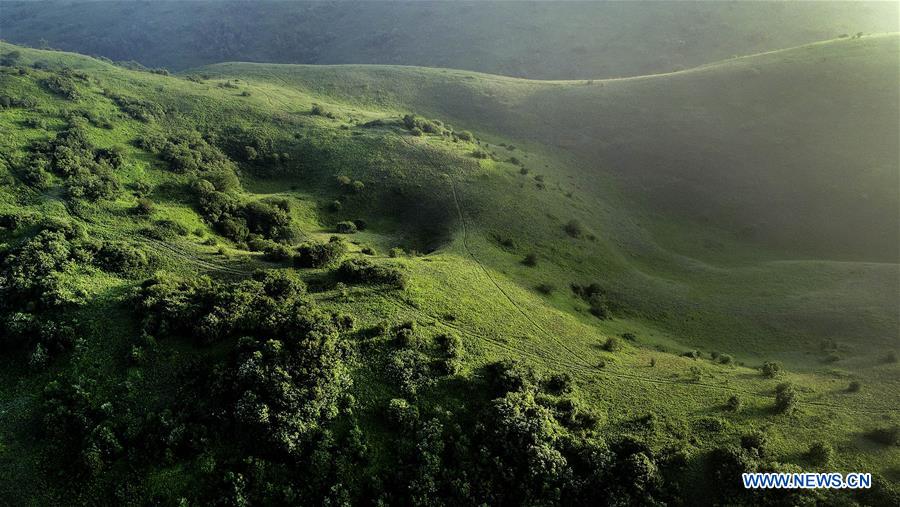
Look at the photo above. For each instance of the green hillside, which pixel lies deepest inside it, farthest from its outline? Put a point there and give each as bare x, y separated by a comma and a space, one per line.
489, 325
524, 39
764, 145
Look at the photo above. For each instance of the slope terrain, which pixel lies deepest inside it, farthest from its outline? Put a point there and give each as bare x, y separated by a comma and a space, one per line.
762, 145
601, 39
487, 325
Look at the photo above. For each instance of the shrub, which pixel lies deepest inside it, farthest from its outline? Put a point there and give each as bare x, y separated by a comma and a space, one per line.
364, 271
144, 206
319, 255
276, 252
450, 345
410, 370
785, 397
629, 336
733, 404
318, 110
756, 442
545, 288
574, 228
725, 359
449, 366
559, 383
612, 344
598, 300
530, 260
854, 386
771, 369
820, 453
401, 413
508, 376
121, 258
346, 227
464, 135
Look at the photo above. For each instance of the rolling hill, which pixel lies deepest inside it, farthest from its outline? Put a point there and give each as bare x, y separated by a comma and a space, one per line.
764, 146
601, 39
506, 300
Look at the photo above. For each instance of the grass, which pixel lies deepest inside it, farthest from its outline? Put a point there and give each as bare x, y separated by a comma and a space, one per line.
600, 39
754, 302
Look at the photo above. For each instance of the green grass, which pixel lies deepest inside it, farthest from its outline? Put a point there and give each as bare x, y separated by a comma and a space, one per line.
681, 285
599, 39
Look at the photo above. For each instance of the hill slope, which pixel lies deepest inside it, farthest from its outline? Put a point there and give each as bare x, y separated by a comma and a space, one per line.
477, 333
795, 149
601, 39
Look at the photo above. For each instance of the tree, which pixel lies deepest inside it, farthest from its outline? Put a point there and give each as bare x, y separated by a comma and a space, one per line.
785, 397
771, 369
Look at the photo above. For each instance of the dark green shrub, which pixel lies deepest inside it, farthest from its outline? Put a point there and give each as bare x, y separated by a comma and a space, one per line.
319, 110
144, 206
364, 271
277, 252
122, 258
757, 442
450, 344
464, 135
733, 404
559, 383
409, 368
545, 288
346, 227
600, 304
785, 398
508, 376
319, 255
771, 369
530, 260
574, 228
820, 453
612, 344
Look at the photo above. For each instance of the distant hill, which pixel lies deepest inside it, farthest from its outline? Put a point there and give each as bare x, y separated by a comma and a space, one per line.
601, 39
794, 149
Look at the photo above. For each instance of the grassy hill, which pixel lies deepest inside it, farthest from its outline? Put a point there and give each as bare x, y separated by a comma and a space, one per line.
601, 39
372, 366
761, 145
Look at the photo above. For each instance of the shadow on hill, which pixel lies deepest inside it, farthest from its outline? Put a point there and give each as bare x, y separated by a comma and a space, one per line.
424, 219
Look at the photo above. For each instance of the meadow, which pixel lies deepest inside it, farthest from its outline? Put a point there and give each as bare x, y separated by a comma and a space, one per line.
326, 284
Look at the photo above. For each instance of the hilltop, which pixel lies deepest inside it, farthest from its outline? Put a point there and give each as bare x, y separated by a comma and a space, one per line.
179, 323
600, 39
